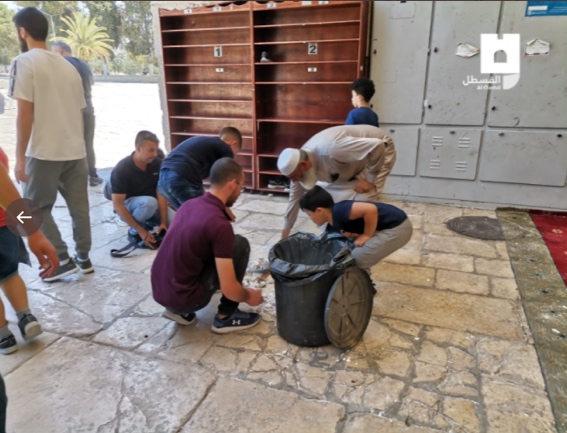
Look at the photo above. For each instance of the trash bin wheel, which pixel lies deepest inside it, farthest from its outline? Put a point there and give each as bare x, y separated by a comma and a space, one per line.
348, 308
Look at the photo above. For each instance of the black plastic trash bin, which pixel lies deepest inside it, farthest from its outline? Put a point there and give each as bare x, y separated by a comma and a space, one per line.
321, 296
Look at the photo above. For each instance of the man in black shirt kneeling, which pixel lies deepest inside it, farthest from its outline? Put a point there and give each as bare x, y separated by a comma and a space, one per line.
134, 191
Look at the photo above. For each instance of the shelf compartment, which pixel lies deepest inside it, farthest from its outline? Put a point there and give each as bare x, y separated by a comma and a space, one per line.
210, 126
196, 21
343, 30
233, 36
206, 55
218, 74
245, 161
223, 109
272, 138
228, 92
307, 102
324, 14
320, 72
206, 29
179, 137
268, 165
311, 62
264, 178
328, 23
297, 52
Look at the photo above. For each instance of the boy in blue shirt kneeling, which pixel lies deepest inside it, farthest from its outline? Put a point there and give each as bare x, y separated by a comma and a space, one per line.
378, 229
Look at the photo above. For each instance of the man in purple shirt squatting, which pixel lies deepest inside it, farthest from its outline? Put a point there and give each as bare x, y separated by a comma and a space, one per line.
200, 254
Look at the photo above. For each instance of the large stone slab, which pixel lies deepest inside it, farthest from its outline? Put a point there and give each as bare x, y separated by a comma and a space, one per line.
511, 408
460, 245
74, 386
462, 312
372, 423
234, 406
102, 295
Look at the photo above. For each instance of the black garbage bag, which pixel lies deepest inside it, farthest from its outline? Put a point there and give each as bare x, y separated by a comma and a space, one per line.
305, 257
304, 267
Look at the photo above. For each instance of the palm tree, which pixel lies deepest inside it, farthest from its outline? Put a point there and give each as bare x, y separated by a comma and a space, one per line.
87, 40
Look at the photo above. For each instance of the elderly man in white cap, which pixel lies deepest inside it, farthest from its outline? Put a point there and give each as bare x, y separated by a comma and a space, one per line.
350, 161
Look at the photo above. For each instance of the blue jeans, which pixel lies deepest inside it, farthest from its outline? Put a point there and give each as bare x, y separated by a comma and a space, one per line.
176, 189
145, 210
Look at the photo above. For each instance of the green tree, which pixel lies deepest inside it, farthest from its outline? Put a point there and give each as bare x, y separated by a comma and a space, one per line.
9, 47
137, 28
56, 11
107, 15
87, 40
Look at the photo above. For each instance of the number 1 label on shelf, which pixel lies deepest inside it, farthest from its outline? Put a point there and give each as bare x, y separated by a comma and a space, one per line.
217, 52
312, 48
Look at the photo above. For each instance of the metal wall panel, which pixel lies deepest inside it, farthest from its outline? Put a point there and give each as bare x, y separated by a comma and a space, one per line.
525, 157
406, 140
540, 97
450, 153
398, 56
448, 101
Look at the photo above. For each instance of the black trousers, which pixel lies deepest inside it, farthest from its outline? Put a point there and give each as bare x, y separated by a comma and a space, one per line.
211, 283
89, 122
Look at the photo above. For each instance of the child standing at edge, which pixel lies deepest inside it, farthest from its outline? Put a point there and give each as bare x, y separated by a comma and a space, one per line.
378, 229
12, 252
362, 91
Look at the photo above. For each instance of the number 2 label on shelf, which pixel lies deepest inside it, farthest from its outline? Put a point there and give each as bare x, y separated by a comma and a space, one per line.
312, 48
217, 52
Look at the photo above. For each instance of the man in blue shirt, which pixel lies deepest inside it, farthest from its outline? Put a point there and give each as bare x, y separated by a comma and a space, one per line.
185, 167
88, 112
362, 91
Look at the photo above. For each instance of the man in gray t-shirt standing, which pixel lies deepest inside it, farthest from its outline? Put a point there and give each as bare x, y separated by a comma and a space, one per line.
88, 113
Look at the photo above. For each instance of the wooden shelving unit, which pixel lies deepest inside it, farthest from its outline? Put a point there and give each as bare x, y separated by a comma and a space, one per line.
214, 76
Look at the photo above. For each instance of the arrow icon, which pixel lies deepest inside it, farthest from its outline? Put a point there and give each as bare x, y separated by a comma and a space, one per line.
21, 216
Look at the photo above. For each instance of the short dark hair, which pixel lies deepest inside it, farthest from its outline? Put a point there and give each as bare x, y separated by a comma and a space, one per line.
364, 87
34, 21
146, 136
233, 133
224, 170
316, 197
63, 46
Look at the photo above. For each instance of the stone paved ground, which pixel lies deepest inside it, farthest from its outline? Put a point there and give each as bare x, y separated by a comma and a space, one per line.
447, 348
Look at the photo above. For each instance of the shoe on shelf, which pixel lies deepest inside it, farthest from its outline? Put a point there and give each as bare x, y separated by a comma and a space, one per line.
182, 319
63, 271
95, 180
29, 327
85, 266
277, 183
8, 344
238, 321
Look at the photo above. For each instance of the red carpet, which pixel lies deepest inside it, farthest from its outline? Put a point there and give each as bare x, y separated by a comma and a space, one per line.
553, 229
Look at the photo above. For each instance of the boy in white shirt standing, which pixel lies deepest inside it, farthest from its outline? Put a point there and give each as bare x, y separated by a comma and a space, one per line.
50, 149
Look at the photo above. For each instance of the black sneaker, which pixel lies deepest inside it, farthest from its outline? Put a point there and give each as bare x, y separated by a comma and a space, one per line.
29, 327
238, 321
85, 266
182, 319
63, 271
95, 180
134, 239
8, 345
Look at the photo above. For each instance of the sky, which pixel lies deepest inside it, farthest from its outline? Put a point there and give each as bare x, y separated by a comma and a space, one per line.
10, 4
